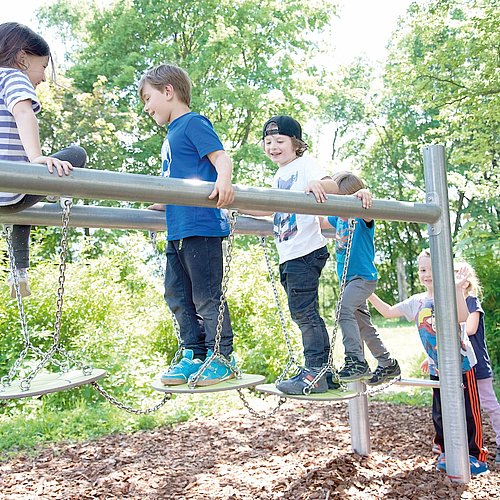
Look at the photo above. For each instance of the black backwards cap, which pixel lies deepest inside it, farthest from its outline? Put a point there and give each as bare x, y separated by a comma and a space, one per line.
286, 125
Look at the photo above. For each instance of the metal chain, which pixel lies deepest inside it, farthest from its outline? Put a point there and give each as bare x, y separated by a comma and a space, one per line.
256, 413
177, 331
330, 364
233, 214
291, 359
111, 399
28, 346
48, 356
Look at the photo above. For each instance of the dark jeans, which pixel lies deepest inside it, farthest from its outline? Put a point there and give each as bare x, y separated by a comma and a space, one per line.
193, 288
300, 278
77, 156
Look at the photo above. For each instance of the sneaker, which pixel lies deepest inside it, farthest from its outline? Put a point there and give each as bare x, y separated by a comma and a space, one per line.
24, 286
354, 369
216, 372
332, 384
297, 384
181, 371
436, 449
478, 468
384, 374
441, 463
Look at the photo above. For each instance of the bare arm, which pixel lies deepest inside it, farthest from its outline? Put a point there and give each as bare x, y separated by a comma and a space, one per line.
223, 187
383, 308
29, 133
472, 323
321, 188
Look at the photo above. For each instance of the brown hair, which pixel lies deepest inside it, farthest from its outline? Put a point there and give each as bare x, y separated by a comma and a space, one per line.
347, 182
168, 74
298, 145
16, 37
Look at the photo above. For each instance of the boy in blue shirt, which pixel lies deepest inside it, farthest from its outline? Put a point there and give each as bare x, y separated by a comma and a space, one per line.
193, 277
355, 320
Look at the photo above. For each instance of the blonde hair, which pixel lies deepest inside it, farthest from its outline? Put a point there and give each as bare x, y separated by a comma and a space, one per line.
347, 182
424, 253
474, 286
168, 74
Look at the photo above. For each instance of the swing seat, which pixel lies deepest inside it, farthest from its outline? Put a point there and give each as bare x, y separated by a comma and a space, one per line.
46, 383
246, 380
331, 395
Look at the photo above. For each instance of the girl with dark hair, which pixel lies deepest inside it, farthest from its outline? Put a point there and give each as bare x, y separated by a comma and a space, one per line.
24, 57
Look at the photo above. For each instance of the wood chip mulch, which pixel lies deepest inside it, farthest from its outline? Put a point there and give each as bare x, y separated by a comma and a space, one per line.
303, 452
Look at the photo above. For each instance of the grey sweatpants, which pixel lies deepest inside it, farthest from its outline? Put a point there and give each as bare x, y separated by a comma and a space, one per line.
77, 156
356, 323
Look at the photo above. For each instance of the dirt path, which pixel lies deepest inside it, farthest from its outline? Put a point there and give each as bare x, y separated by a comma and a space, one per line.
302, 453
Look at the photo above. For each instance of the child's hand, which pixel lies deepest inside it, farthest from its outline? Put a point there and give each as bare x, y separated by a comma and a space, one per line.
157, 206
365, 196
62, 167
224, 190
424, 366
461, 278
318, 190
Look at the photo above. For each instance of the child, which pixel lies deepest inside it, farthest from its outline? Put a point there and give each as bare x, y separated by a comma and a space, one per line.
193, 277
24, 57
301, 247
361, 280
420, 308
475, 329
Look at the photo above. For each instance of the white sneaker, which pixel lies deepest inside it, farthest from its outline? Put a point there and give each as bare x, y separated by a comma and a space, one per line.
24, 286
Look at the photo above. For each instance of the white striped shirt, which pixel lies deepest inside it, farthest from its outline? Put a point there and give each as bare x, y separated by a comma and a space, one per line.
15, 86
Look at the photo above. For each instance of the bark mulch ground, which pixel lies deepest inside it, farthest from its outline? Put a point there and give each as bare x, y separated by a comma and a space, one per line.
301, 453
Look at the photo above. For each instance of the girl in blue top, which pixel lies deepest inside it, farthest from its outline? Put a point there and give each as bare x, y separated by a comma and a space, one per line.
355, 320
24, 57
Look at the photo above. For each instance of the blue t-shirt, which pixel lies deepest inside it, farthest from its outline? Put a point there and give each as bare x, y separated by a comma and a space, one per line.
189, 140
478, 341
361, 260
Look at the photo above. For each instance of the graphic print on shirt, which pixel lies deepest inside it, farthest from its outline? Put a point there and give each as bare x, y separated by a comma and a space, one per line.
341, 237
166, 158
425, 325
285, 225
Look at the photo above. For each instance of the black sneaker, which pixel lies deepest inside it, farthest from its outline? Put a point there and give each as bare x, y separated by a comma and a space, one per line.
354, 369
384, 374
332, 384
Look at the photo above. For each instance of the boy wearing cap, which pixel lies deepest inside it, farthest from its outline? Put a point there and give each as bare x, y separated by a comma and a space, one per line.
193, 277
301, 246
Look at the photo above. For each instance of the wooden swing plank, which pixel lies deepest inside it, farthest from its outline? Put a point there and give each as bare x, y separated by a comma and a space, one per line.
45, 383
246, 380
331, 395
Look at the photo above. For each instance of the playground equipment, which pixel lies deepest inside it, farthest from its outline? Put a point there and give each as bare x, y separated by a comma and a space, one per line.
94, 184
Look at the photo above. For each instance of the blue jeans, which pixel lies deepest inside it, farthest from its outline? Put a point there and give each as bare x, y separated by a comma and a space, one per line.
77, 156
193, 288
300, 278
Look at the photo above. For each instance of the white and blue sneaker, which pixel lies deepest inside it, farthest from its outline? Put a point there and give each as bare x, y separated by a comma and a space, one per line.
441, 463
478, 468
179, 373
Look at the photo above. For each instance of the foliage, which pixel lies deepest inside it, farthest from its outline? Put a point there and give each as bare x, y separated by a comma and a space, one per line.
244, 58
